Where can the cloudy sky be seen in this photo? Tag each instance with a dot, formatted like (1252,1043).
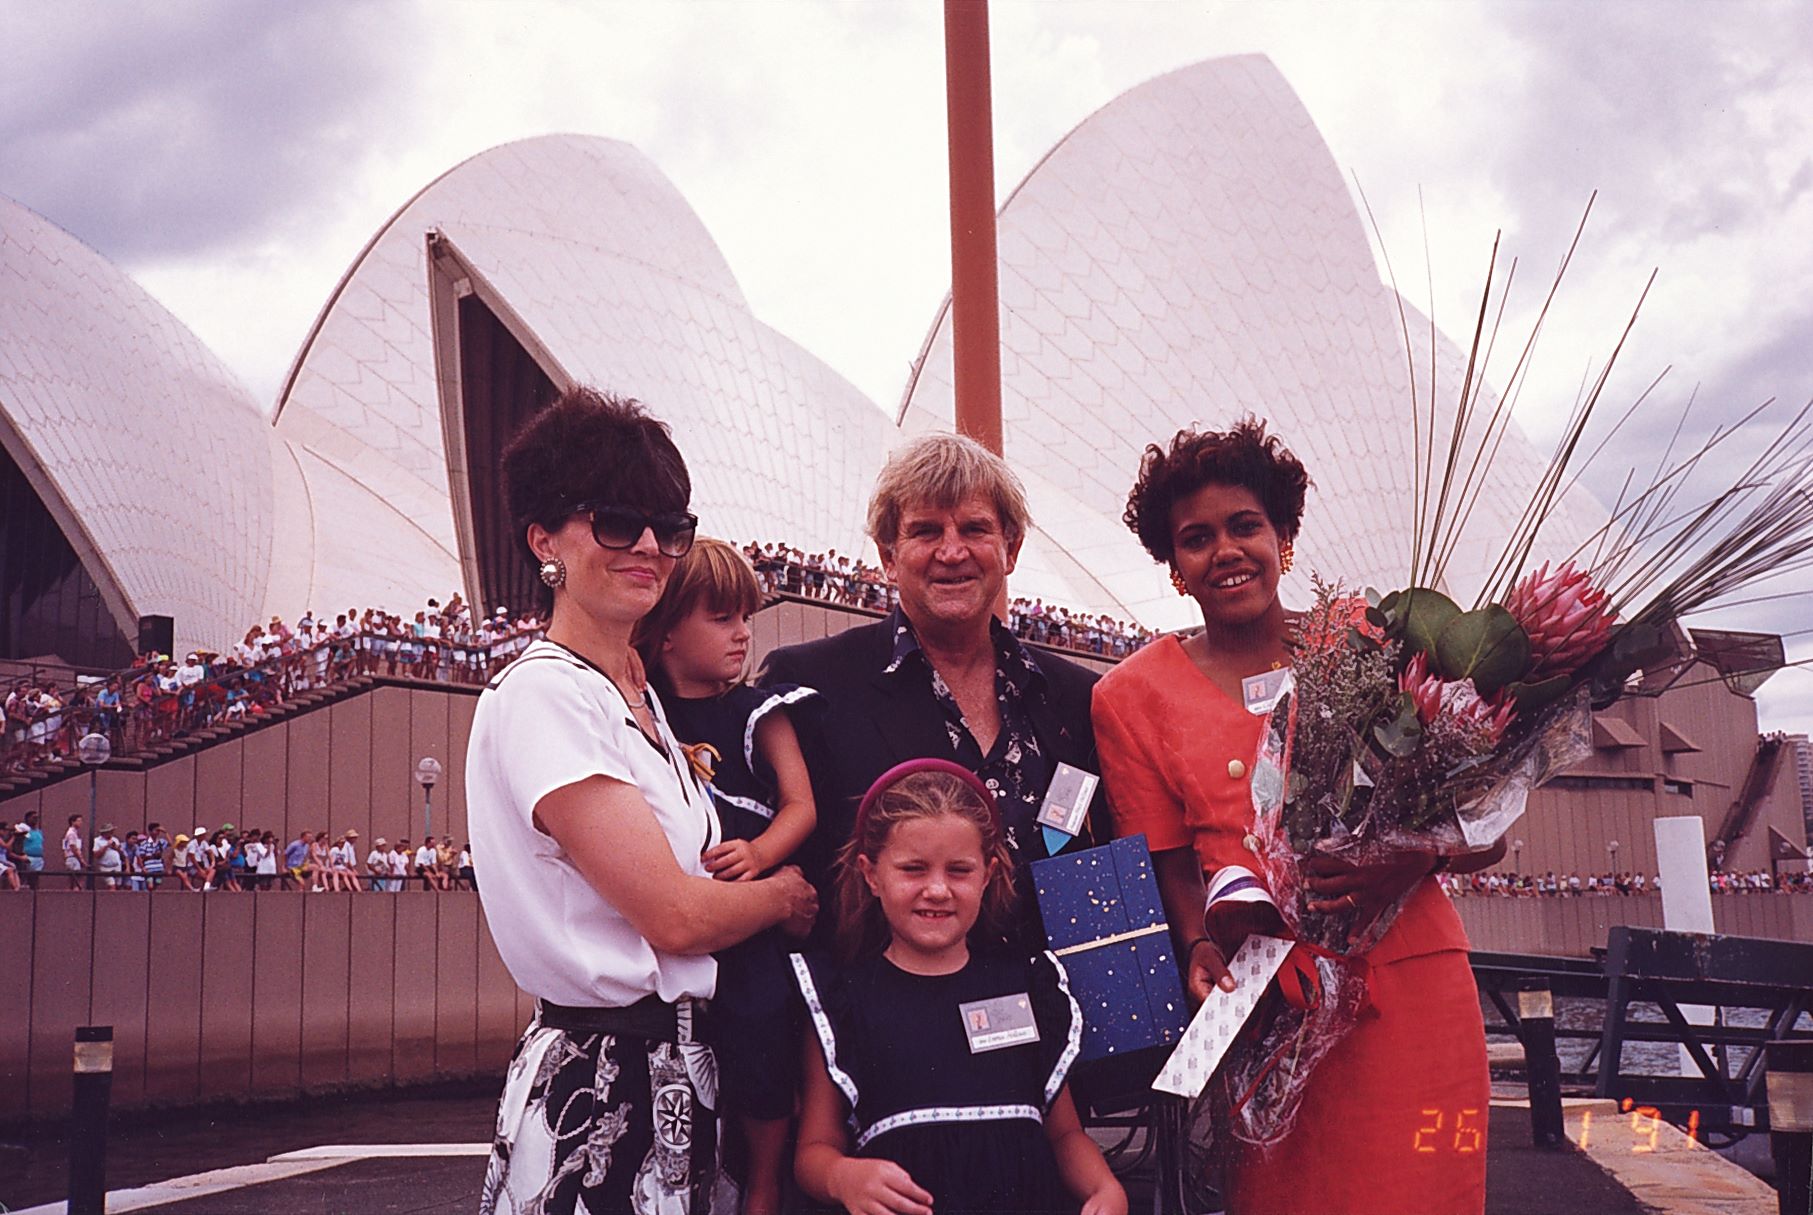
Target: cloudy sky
(234,157)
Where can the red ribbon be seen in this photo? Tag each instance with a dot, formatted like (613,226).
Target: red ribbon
(1305,994)
(1300,983)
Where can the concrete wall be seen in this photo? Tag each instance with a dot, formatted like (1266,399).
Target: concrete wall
(241,997)
(1576,926)
(348,764)
(1570,830)
(226,997)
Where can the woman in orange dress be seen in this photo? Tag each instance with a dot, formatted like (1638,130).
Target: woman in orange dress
(1394,1119)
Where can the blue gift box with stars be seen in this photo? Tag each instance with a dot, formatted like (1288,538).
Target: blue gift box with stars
(1105,922)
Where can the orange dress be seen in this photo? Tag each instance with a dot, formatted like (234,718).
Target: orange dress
(1394,1120)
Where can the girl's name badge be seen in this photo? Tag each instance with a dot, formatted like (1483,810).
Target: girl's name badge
(1002,1021)
(1261,692)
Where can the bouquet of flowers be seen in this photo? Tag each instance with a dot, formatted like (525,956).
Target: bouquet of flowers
(1410,722)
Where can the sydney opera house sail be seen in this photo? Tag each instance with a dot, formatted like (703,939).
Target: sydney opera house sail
(1188,253)
(527,268)
(134,479)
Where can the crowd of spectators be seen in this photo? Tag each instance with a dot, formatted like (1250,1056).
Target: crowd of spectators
(158,698)
(227,858)
(1604,885)
(852,582)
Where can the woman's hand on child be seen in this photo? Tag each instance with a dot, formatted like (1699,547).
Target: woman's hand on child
(735,861)
(1109,1200)
(879,1187)
(802,901)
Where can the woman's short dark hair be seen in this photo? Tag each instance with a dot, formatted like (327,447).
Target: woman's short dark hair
(589,447)
(1242,455)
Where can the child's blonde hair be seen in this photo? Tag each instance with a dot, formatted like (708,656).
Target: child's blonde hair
(922,788)
(715,574)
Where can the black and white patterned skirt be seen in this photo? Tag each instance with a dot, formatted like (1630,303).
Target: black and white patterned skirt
(594,1122)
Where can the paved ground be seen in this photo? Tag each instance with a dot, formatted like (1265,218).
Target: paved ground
(1521,1180)
(145,1150)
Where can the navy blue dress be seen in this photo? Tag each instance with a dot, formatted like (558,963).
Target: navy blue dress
(969,1128)
(753,1026)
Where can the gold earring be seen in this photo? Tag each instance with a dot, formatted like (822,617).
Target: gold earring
(1177,581)
(1287,555)
(553,572)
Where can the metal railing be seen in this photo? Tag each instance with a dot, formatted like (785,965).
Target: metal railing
(144,707)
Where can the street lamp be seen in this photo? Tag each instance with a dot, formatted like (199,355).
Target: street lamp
(93,750)
(1517,855)
(427,772)
(1611,847)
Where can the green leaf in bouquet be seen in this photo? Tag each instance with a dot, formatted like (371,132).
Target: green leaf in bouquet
(1425,614)
(1539,693)
(1373,598)
(1399,734)
(1388,609)
(1361,642)
(1638,644)
(1486,645)
(1633,647)
(1343,789)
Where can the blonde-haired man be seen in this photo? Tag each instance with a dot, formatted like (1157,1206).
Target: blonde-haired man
(940,675)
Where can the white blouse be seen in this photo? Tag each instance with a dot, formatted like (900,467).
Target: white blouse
(550,720)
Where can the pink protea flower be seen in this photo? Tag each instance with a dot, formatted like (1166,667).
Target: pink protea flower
(1458,700)
(1424,688)
(1567,618)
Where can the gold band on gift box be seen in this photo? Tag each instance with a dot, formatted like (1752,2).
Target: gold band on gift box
(1116,939)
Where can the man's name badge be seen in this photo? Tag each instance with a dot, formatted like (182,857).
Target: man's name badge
(1261,692)
(1066,805)
(1002,1021)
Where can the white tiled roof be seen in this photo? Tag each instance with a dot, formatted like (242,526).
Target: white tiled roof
(602,259)
(148,452)
(1190,254)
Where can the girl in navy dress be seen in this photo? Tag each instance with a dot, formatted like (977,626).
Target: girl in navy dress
(936,1060)
(695,645)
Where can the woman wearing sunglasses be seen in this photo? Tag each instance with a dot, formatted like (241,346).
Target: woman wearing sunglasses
(587,827)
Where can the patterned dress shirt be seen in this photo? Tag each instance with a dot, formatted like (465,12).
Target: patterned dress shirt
(1016,769)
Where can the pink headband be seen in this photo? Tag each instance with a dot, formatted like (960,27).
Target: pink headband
(912,767)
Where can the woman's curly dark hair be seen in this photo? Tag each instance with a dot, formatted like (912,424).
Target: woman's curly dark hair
(1242,455)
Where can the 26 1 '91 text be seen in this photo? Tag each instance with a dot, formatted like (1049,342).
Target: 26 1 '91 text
(1465,1134)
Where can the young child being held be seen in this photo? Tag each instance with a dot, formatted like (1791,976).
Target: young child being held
(936,1063)
(695,645)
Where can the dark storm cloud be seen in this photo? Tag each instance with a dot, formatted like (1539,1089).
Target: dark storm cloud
(171,129)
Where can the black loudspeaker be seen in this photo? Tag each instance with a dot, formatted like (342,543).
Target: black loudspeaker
(156,633)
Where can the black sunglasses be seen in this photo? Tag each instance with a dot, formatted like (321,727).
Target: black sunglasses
(620,527)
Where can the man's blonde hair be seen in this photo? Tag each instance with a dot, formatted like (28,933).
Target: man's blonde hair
(943,470)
